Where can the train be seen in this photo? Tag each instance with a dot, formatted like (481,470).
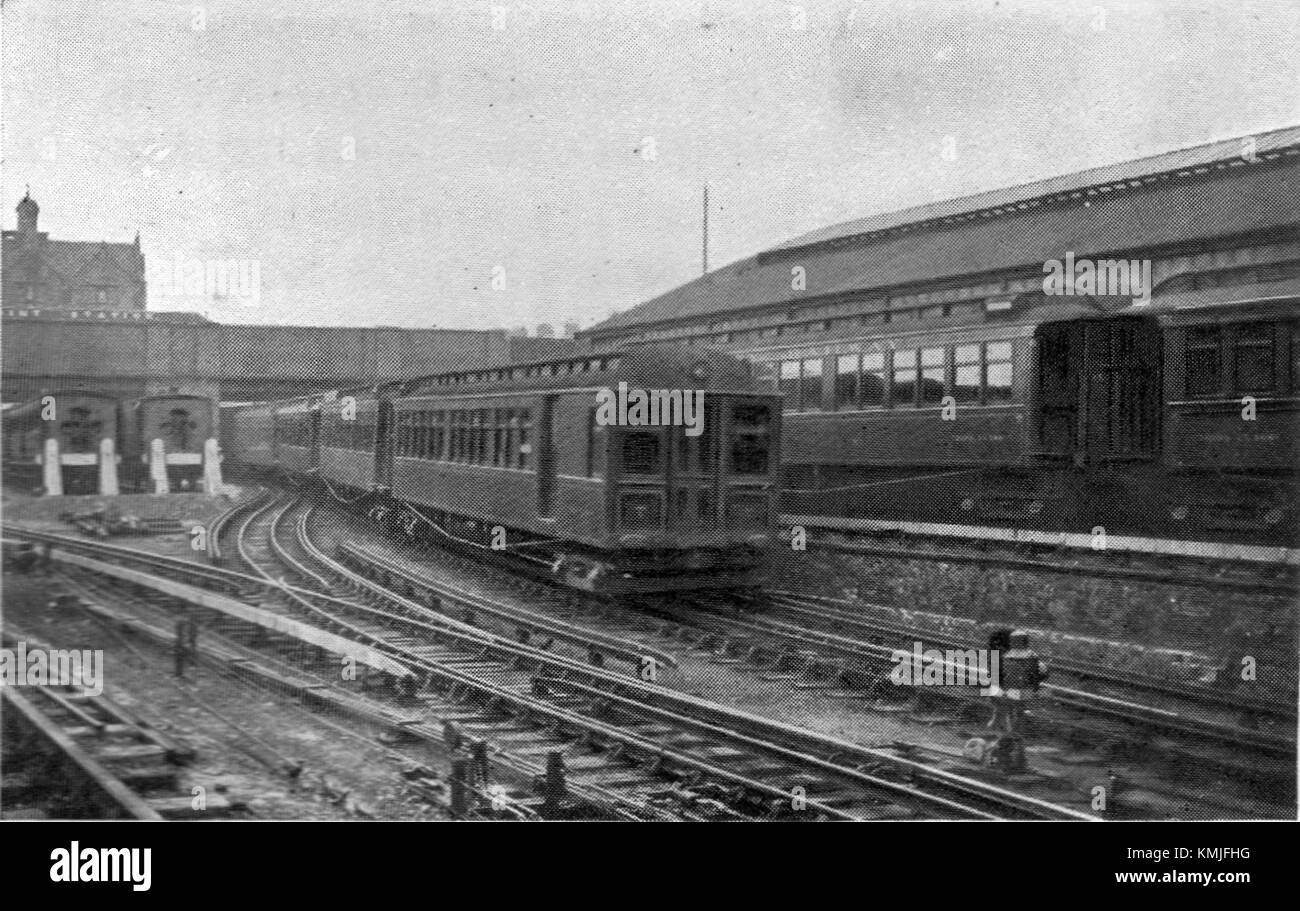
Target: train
(1177,418)
(104,445)
(520,459)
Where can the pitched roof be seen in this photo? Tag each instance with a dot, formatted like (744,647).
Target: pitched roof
(73,260)
(76,257)
(1199,193)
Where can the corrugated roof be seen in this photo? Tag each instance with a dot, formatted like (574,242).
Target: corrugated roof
(1231,197)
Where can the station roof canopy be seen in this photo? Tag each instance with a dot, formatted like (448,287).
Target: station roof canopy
(1237,186)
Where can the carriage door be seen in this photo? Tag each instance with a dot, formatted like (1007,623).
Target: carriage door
(1058,390)
(546,458)
(1118,402)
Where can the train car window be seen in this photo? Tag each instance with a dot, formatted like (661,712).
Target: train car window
(934,311)
(765,373)
(481,437)
(873,379)
(706,507)
(932,379)
(683,443)
(455,436)
(997,371)
(904,378)
(1204,361)
(966,373)
(642,453)
(846,382)
(788,384)
(436,436)
(439,435)
(751,442)
(707,443)
(421,435)
(500,434)
(1253,357)
(512,439)
(872,319)
(812,386)
(525,448)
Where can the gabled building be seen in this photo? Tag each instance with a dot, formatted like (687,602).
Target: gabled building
(41,273)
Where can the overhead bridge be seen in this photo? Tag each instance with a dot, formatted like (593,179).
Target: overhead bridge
(134,354)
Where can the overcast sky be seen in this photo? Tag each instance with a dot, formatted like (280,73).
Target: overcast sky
(567,142)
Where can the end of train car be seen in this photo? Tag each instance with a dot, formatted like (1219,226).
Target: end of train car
(565,464)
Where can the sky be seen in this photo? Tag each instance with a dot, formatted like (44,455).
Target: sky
(499,163)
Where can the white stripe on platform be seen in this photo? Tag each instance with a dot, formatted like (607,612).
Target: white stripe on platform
(1246,553)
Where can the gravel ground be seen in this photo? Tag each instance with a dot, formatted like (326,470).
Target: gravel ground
(341,778)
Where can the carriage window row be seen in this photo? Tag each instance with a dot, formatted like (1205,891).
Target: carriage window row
(357,434)
(1242,358)
(501,437)
(909,377)
(296,430)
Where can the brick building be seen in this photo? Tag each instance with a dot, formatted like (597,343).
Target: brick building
(40,272)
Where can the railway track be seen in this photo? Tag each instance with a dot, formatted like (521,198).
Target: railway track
(1110,725)
(69,754)
(1126,713)
(757,747)
(804,639)
(818,646)
(833,612)
(647,751)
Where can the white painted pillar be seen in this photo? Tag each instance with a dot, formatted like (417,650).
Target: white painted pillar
(212,468)
(158,467)
(107,468)
(53,469)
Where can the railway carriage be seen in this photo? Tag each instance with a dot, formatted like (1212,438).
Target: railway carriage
(1176,418)
(79,428)
(519,459)
(175,427)
(248,437)
(521,450)
(297,436)
(354,431)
